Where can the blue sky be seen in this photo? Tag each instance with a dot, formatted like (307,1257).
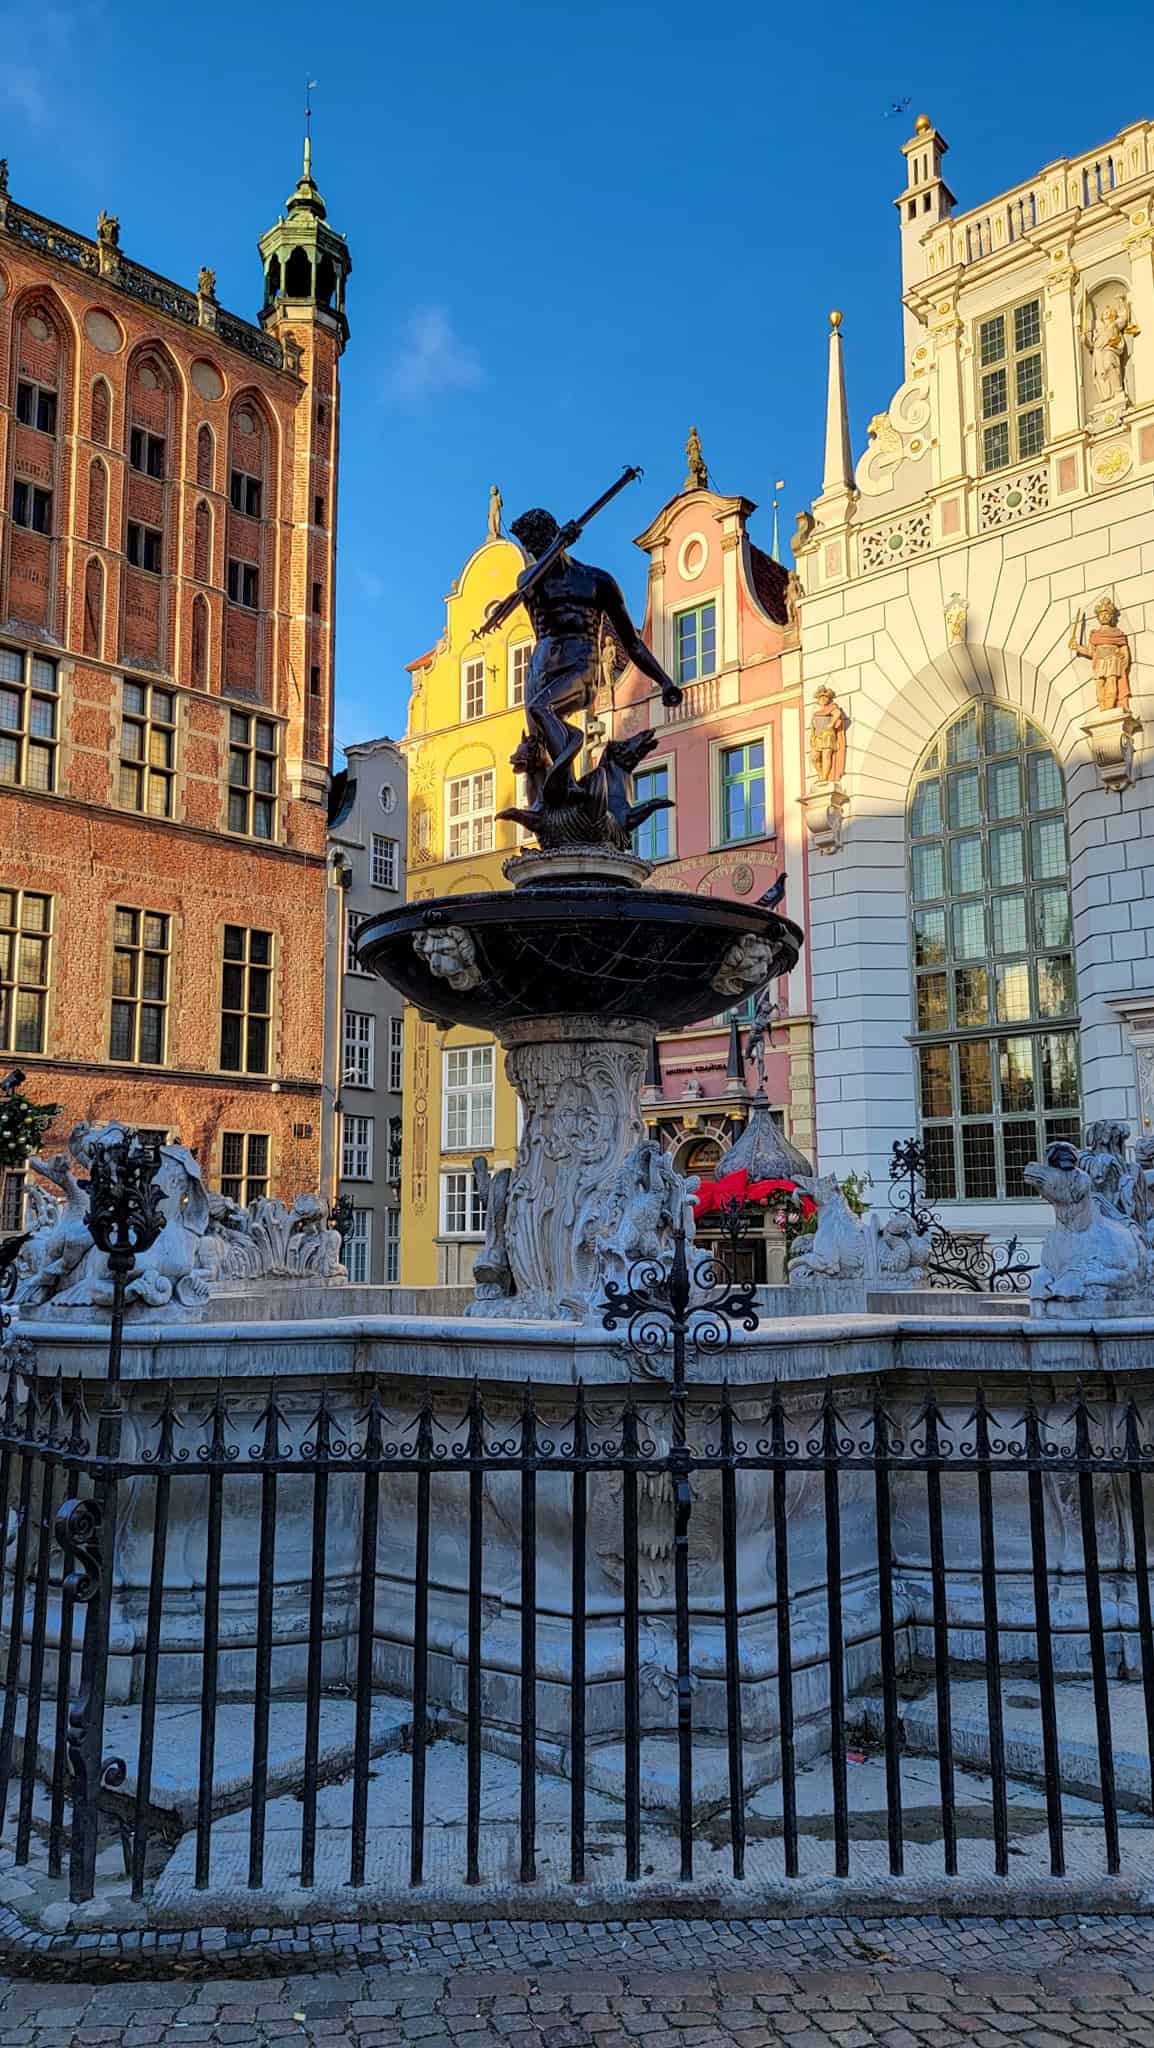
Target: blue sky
(574,230)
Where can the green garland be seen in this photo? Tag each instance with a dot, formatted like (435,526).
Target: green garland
(22,1126)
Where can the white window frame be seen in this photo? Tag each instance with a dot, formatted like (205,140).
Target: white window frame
(359,1248)
(392,1247)
(358,1049)
(356,1147)
(721,746)
(472,687)
(396,1055)
(669,763)
(474,821)
(354,919)
(682,611)
(453,1199)
(1015,409)
(384,861)
(518,648)
(467,1103)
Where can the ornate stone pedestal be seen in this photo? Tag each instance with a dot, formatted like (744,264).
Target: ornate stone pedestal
(1111,735)
(579,1082)
(824,811)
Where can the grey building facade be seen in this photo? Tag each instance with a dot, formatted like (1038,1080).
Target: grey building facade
(367,842)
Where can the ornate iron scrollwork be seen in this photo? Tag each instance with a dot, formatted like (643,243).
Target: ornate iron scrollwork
(955,1261)
(124,1208)
(665,1304)
(79,1526)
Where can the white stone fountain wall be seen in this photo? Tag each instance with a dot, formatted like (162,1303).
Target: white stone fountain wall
(898,1352)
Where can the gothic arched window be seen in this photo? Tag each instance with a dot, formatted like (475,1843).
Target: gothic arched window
(994,1002)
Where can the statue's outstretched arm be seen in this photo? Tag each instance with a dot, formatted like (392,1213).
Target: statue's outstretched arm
(617,612)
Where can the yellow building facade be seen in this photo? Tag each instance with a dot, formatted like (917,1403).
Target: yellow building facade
(465,720)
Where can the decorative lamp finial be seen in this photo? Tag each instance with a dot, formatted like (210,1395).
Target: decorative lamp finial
(835,320)
(923,125)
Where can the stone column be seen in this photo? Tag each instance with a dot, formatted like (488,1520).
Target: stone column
(579,1082)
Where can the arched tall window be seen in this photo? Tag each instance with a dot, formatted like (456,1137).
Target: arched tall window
(994,1001)
(101,411)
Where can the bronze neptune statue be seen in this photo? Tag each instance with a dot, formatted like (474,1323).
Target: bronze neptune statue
(569,605)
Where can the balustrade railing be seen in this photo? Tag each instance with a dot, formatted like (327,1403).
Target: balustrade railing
(138,282)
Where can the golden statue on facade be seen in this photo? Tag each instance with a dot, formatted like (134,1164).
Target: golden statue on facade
(827,737)
(1108,652)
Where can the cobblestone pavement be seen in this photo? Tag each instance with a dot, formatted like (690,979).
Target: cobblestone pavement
(924,1983)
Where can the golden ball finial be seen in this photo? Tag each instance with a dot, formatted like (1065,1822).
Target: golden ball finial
(835,320)
(923,125)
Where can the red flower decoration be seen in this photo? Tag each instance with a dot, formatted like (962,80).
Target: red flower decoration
(737,1187)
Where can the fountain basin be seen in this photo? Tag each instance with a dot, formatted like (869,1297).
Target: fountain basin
(654,954)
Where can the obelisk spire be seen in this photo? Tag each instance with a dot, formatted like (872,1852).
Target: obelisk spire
(838,459)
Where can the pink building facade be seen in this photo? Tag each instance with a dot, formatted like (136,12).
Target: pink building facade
(720,618)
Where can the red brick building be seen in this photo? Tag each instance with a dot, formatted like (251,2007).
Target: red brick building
(167,539)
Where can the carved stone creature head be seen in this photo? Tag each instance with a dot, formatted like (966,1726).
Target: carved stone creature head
(747,965)
(449,953)
(1061,1181)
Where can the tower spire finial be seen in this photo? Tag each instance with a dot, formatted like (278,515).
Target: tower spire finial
(838,474)
(310,87)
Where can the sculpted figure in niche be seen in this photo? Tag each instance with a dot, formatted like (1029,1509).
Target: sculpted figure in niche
(956,609)
(1108,652)
(1106,328)
(827,737)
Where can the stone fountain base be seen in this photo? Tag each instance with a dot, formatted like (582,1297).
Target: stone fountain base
(579,1082)
(410,1357)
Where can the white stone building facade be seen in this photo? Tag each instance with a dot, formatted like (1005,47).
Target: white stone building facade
(1007,489)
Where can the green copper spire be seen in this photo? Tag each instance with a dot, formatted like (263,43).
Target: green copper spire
(306,198)
(306,262)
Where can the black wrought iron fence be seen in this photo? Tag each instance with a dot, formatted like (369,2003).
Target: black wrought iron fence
(953,1259)
(832,1555)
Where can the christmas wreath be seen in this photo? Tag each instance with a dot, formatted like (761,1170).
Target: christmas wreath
(22,1126)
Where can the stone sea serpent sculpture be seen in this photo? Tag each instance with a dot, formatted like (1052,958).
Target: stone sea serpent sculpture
(207,1244)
